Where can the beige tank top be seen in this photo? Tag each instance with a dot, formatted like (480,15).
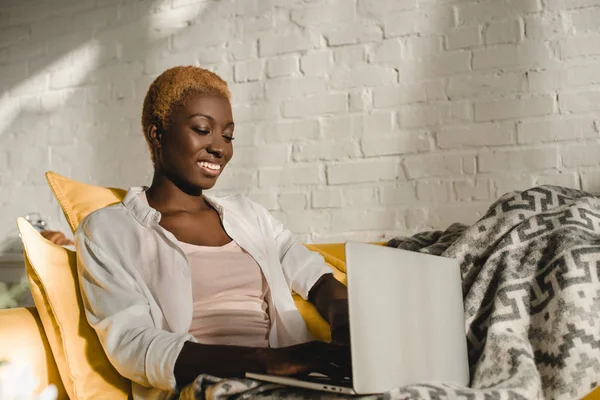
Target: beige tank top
(228,291)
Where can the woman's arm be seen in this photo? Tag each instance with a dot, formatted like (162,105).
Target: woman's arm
(120,313)
(309,276)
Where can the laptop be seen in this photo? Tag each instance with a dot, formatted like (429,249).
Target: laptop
(406,323)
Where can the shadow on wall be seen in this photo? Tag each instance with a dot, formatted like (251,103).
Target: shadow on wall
(72,93)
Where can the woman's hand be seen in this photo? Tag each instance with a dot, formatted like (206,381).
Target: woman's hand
(339,321)
(331,299)
(316,356)
(58,238)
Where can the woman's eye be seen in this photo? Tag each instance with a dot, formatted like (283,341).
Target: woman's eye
(201,131)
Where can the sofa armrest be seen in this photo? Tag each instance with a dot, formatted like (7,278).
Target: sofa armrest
(22,341)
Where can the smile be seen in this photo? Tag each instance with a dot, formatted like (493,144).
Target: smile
(209,168)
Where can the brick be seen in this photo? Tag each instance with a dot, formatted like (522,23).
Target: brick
(416,220)
(255,112)
(285,88)
(502,32)
(545,27)
(246,92)
(361,100)
(291,175)
(401,193)
(477,135)
(586,20)
(374,8)
(555,130)
(366,76)
(389,51)
(377,123)
(274,155)
(327,198)
(438,19)
(580,154)
(514,108)
(433,191)
(564,179)
(579,102)
(590,181)
(234,178)
(526,54)
(394,144)
(342,127)
(283,66)
(579,46)
(519,160)
(242,50)
(415,116)
(293,202)
(308,221)
(35,84)
(434,165)
(13,35)
(287,132)
(359,196)
(485,84)
(420,46)
(361,171)
(441,217)
(559,5)
(472,189)
(362,32)
(325,150)
(316,63)
(208,32)
(462,38)
(252,70)
(445,64)
(245,135)
(505,183)
(285,43)
(349,56)
(348,219)
(324,14)
(314,105)
(476,13)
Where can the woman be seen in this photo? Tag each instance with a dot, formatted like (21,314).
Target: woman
(177,283)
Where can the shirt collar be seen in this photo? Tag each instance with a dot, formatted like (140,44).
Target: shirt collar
(147,215)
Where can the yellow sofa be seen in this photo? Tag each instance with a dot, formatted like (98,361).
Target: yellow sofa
(29,335)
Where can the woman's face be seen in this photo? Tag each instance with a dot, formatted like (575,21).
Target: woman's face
(198,143)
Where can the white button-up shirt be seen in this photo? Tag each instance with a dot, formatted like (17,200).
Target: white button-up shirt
(136,286)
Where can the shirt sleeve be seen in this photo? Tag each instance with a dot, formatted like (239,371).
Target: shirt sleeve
(120,314)
(302,268)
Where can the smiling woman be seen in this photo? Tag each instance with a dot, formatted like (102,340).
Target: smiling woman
(177,283)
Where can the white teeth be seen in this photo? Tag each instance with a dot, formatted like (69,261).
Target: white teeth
(209,165)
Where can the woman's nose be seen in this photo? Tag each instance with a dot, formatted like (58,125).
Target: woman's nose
(217,146)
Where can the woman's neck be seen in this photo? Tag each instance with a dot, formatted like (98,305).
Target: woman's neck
(166,196)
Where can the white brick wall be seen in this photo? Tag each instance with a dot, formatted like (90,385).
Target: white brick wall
(356,119)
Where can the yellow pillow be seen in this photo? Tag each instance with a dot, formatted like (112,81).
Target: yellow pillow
(84,369)
(77,200)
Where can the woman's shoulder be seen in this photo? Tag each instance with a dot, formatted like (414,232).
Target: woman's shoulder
(106,219)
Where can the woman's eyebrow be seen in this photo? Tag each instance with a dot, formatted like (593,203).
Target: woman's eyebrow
(201,115)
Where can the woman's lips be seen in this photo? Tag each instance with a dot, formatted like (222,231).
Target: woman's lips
(209,168)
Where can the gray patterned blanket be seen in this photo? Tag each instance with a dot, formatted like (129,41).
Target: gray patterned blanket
(530,270)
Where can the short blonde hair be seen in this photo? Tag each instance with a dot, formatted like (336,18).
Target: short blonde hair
(171,88)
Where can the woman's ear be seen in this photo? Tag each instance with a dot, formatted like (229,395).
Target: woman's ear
(154,136)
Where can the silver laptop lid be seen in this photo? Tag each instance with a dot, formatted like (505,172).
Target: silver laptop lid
(406,318)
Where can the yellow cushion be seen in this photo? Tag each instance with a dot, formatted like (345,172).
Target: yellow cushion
(23,342)
(78,199)
(84,369)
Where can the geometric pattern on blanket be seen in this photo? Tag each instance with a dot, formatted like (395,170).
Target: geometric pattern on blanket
(530,269)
